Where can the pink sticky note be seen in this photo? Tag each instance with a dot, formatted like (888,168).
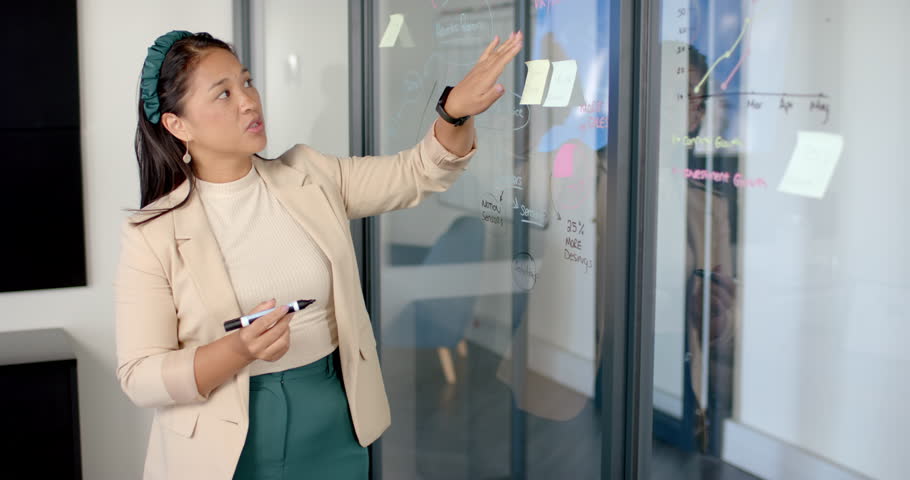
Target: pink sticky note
(562,165)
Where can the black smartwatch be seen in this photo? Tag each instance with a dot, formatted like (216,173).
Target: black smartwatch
(440,109)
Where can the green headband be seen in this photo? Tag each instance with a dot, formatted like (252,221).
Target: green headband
(148,87)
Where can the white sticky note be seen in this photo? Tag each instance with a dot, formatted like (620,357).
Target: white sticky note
(561,83)
(812,164)
(535,82)
(396,20)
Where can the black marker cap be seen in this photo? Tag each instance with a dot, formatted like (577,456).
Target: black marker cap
(233,324)
(301,304)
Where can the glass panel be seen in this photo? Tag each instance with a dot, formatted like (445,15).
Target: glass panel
(304,90)
(791,364)
(487,324)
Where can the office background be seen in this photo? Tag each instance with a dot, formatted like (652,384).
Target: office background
(814,384)
(113,37)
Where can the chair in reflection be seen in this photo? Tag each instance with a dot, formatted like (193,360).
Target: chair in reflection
(440,322)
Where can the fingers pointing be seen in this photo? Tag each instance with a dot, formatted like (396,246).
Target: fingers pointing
(490,47)
(513,41)
(494,48)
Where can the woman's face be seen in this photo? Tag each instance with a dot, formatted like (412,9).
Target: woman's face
(219,105)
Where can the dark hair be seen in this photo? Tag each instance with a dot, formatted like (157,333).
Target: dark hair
(159,153)
(697,60)
(699,63)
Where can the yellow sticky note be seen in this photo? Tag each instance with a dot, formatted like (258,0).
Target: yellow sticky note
(394,31)
(561,83)
(812,164)
(404,37)
(536,82)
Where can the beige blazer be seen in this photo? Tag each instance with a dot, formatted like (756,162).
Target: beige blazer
(721,248)
(173,294)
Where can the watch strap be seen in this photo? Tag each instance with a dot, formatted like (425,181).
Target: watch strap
(440,109)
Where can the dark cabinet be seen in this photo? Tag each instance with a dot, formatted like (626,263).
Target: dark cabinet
(39,407)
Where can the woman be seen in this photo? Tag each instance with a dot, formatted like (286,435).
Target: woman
(222,231)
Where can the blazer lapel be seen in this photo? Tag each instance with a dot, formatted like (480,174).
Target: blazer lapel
(201,254)
(305,202)
(199,249)
(196,243)
(314,211)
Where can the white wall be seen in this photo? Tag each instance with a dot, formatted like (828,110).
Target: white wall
(113,40)
(114,36)
(302,70)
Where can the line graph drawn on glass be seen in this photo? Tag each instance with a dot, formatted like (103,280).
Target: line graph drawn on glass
(724,56)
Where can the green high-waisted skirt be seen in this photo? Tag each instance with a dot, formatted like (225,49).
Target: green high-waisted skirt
(300,427)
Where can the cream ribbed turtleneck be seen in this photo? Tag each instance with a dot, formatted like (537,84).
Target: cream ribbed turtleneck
(268,254)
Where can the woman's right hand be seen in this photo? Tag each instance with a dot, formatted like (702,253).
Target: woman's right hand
(268,337)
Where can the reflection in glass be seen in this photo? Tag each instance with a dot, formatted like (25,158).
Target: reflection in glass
(487,322)
(781,272)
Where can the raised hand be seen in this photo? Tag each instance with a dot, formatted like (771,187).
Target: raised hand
(479,89)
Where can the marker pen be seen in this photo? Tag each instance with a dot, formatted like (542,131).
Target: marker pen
(246,320)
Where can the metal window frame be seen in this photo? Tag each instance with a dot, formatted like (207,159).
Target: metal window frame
(645,166)
(241,22)
(365,232)
(629,234)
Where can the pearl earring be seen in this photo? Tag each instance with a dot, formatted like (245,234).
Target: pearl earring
(186,156)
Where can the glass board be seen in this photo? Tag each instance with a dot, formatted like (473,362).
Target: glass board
(488,332)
